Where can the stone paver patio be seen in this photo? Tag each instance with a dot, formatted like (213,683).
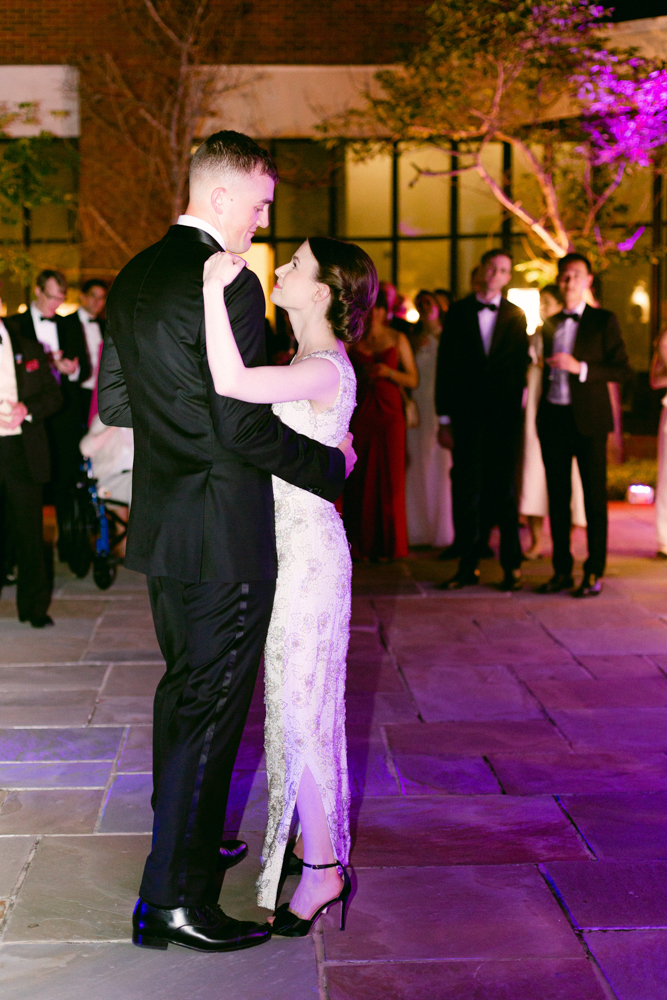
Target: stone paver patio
(509,768)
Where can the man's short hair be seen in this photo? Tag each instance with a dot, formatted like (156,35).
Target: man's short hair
(498,252)
(93,283)
(231,152)
(44,276)
(572,258)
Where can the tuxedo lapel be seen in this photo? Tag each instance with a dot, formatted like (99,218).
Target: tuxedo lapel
(193,236)
(585,327)
(473,326)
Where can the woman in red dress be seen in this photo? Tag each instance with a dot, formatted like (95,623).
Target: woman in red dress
(374,501)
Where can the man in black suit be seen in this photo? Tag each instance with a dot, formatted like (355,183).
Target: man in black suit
(86,326)
(65,348)
(583,350)
(481,373)
(28,394)
(201,524)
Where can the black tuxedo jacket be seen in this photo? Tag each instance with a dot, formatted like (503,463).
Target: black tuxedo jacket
(202,501)
(600,344)
(38,389)
(70,337)
(478,391)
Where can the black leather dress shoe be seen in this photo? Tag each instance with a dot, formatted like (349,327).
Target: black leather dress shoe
(511,582)
(557,583)
(460,581)
(39,621)
(203,928)
(590,586)
(231,852)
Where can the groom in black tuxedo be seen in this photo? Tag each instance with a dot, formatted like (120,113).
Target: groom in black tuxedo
(481,373)
(201,525)
(583,351)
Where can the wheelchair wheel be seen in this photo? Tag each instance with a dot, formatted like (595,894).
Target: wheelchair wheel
(75,528)
(104,572)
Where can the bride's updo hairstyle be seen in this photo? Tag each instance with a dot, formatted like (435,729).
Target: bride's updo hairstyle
(350,274)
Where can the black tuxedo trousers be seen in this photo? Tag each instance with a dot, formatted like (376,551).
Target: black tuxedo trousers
(211,636)
(561,440)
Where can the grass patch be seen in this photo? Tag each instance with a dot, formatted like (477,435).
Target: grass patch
(637,470)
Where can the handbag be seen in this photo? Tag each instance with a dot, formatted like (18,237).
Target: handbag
(410,409)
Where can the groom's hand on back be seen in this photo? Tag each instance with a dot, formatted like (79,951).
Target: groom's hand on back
(223,267)
(349,452)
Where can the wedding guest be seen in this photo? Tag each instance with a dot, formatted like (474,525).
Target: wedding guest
(66,350)
(396,322)
(481,374)
(659,381)
(28,394)
(87,325)
(583,350)
(428,496)
(534,502)
(374,498)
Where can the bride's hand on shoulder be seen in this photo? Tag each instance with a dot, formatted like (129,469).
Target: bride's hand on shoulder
(223,267)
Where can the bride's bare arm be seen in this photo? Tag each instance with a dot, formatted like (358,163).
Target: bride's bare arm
(315,379)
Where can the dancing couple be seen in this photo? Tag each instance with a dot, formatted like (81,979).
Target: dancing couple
(234,525)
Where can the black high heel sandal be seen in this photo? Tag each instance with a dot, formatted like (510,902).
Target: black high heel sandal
(289,924)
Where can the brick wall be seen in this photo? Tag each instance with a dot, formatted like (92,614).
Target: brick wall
(266,31)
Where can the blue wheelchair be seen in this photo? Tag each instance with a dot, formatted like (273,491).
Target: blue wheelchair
(90,530)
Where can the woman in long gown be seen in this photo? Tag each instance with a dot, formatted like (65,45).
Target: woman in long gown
(374,498)
(327,288)
(428,490)
(534,501)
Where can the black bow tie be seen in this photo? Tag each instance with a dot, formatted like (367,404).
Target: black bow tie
(486,305)
(566,315)
(47,319)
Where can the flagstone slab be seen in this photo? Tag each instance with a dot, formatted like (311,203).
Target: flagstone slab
(612,895)
(125,680)
(52,708)
(479,912)
(137,752)
(380,709)
(633,962)
(368,676)
(138,655)
(80,888)
(25,774)
(604,667)
(370,769)
(429,774)
(613,728)
(580,773)
(462,830)
(83,676)
(247,803)
(617,692)
(647,639)
(14,852)
(50,811)
(571,671)
(127,808)
(484,693)
(280,970)
(59,744)
(622,826)
(475,738)
(527,979)
(123,710)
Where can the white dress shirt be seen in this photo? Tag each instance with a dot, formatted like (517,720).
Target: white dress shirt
(565,336)
(487,321)
(8,388)
(192,220)
(93,335)
(46,332)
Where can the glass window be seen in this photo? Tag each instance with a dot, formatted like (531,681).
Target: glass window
(627,292)
(423,264)
(524,185)
(479,212)
(380,253)
(302,202)
(424,207)
(50,222)
(367,202)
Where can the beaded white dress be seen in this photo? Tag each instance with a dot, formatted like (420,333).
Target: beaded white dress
(306,646)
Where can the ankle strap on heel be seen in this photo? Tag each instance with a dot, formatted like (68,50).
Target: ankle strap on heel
(334,864)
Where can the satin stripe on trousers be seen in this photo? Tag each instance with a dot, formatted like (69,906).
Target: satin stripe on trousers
(211,636)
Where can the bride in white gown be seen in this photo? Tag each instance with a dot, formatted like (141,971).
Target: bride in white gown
(327,289)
